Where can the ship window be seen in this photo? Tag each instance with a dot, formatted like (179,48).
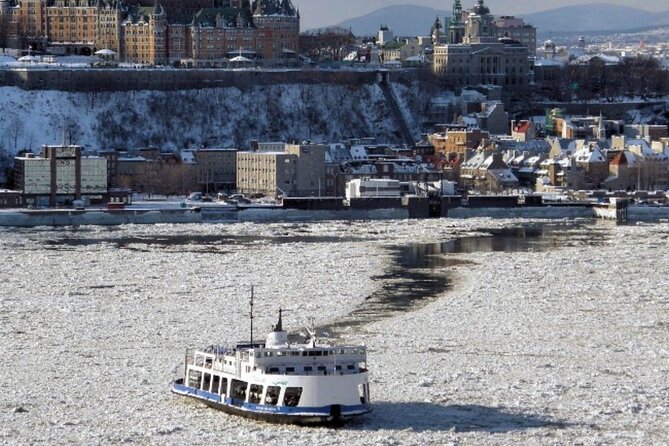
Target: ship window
(294,353)
(206,382)
(362,392)
(292,396)
(308,368)
(215,383)
(272,397)
(321,368)
(350,367)
(255,393)
(238,389)
(316,353)
(337,367)
(273,370)
(194,379)
(280,353)
(224,386)
(290,369)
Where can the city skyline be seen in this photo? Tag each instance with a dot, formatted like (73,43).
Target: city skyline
(321,13)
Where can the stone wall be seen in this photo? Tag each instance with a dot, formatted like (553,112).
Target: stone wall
(85,80)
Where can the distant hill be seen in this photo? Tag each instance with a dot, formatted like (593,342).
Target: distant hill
(595,17)
(412,20)
(403,20)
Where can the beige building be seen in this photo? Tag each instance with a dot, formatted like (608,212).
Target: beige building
(457,139)
(60,175)
(481,57)
(516,28)
(299,170)
(215,169)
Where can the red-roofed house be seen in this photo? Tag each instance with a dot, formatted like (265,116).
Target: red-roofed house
(623,171)
(523,130)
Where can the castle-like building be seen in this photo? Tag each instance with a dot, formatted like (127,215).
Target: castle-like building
(476,48)
(156,32)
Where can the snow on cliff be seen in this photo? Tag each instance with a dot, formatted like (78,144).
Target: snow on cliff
(194,118)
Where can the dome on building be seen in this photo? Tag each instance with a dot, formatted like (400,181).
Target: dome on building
(480,8)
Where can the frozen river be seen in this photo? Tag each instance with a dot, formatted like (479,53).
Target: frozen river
(478,331)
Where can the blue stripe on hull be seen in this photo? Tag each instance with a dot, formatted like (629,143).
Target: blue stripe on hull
(272,413)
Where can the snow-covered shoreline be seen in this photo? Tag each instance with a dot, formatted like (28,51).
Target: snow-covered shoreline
(562,346)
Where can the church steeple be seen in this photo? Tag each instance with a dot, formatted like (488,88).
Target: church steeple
(436,31)
(601,129)
(456,27)
(456,15)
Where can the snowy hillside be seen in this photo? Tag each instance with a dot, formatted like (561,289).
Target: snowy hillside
(213,117)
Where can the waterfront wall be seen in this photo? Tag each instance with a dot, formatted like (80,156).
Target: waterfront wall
(87,80)
(612,110)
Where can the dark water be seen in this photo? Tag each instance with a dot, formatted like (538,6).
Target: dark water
(420,273)
(200,243)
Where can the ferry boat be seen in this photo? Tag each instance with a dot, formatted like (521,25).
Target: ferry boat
(278,381)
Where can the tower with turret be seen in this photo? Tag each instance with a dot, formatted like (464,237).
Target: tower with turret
(456,27)
(436,32)
(278,24)
(480,26)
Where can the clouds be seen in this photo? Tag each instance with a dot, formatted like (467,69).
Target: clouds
(318,13)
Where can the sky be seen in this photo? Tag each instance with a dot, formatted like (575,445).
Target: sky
(319,13)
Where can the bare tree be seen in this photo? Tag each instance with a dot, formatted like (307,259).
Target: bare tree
(22,34)
(15,130)
(71,130)
(4,31)
(329,43)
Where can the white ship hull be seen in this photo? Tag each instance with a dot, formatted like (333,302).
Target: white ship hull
(330,414)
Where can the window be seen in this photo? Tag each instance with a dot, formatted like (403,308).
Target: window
(272,397)
(206,382)
(194,379)
(224,386)
(238,390)
(255,393)
(291,397)
(215,384)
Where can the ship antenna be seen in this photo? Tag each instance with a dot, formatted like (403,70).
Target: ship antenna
(279,325)
(251,315)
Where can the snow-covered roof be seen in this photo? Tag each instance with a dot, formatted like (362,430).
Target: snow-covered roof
(187,157)
(503,175)
(554,62)
(589,155)
(475,161)
(358,152)
(337,154)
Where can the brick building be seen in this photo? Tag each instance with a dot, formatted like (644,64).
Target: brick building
(149,32)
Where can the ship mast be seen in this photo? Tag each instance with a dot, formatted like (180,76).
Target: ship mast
(251,315)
